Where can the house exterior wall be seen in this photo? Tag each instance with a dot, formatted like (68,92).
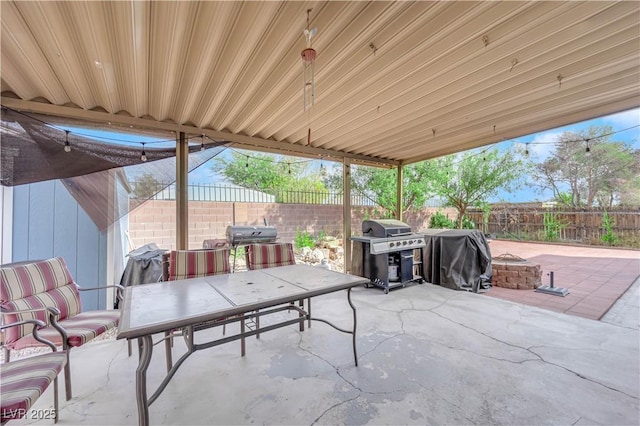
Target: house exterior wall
(48,222)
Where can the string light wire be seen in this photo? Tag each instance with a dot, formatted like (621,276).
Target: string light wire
(67,147)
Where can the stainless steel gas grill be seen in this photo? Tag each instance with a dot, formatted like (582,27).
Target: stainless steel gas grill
(387,255)
(243,235)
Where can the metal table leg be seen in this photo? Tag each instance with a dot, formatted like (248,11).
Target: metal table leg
(146,351)
(355,323)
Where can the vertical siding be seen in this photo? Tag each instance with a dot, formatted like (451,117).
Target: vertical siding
(20,237)
(65,231)
(88,262)
(41,223)
(48,222)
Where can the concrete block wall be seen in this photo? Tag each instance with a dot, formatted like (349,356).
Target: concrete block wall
(155,221)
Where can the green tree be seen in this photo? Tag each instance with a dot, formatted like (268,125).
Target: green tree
(462,182)
(379,185)
(596,176)
(272,174)
(471,179)
(146,186)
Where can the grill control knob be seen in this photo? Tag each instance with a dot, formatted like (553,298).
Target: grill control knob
(419,241)
(391,244)
(404,243)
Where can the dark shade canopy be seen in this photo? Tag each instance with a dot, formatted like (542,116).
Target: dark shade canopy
(96,174)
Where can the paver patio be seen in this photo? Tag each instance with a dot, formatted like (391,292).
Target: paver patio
(596,277)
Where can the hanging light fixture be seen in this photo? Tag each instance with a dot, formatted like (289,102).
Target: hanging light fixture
(143,155)
(67,146)
(202,142)
(308,61)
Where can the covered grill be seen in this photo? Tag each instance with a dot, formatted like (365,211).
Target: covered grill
(388,253)
(242,235)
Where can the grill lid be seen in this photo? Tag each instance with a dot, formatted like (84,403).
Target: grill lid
(251,234)
(385,228)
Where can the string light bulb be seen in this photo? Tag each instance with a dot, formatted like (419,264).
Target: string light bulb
(246,164)
(143,155)
(289,164)
(67,146)
(587,149)
(526,149)
(202,142)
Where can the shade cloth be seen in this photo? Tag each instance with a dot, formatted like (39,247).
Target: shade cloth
(96,173)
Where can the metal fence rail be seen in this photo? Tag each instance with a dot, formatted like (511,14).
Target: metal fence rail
(229,193)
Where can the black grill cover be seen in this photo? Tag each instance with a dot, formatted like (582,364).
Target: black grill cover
(457,259)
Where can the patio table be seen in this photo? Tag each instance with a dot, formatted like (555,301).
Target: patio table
(200,303)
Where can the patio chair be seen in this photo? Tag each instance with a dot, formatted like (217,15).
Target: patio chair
(270,255)
(44,290)
(24,380)
(184,264)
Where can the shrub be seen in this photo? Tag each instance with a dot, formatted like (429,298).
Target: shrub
(608,223)
(304,239)
(552,226)
(468,223)
(440,221)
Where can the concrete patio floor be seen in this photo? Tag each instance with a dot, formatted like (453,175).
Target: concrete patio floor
(428,355)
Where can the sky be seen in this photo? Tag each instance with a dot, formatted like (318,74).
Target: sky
(540,146)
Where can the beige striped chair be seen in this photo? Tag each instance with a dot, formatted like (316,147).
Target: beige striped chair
(185,264)
(271,255)
(261,256)
(44,290)
(24,380)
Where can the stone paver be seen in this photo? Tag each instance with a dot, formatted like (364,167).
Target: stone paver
(595,277)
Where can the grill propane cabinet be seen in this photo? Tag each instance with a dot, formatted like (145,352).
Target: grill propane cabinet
(386,254)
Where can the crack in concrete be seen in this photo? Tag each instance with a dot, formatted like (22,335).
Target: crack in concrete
(576,422)
(113,359)
(540,357)
(332,407)
(344,379)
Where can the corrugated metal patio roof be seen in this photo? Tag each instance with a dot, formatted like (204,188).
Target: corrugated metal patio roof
(396,82)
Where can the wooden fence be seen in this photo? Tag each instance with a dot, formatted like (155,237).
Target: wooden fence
(571,224)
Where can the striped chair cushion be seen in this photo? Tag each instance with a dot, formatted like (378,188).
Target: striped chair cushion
(24,380)
(80,329)
(40,284)
(20,281)
(197,263)
(260,256)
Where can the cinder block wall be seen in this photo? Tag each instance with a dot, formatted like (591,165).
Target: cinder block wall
(155,221)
